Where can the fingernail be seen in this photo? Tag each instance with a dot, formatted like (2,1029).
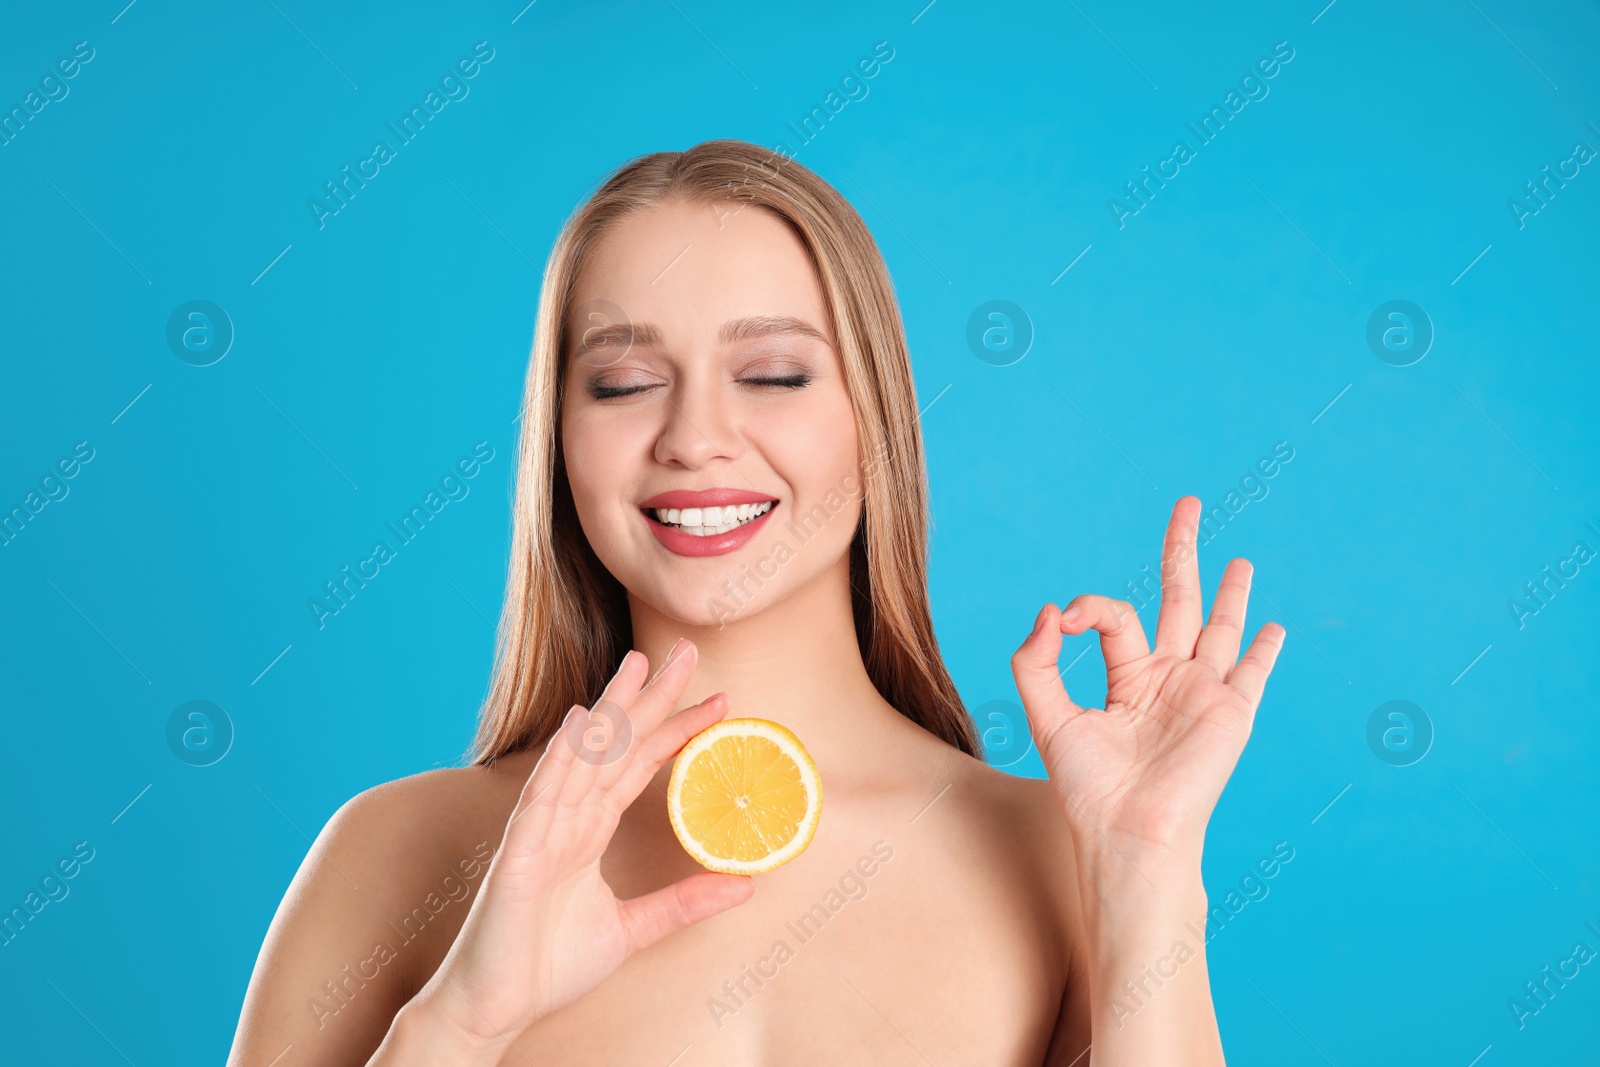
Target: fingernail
(1070,615)
(671,652)
(1038,622)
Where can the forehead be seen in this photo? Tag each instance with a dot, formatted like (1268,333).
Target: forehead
(687,269)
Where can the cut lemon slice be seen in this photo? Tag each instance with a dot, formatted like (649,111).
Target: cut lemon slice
(745,796)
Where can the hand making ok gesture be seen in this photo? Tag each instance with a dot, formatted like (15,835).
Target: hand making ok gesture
(1148,769)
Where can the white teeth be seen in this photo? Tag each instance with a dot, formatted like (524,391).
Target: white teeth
(708,522)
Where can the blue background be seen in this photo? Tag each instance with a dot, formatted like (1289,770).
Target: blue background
(1227,315)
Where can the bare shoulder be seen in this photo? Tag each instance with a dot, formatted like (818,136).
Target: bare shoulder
(372,910)
(1047,834)
(1029,812)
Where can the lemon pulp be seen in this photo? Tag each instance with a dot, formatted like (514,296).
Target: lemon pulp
(745,796)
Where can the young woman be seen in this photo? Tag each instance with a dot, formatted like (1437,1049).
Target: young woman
(717,329)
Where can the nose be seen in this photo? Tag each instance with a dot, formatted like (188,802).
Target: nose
(701,425)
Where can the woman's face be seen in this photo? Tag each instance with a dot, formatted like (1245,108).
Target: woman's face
(708,434)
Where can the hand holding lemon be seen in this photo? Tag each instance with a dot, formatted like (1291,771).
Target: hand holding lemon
(545,928)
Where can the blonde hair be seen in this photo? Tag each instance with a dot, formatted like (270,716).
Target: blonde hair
(565,624)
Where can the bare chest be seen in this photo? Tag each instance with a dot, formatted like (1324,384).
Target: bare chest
(866,950)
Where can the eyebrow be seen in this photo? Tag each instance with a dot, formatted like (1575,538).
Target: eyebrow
(646,335)
(767,326)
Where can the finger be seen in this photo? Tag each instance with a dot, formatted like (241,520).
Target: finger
(659,697)
(628,679)
(581,735)
(1219,641)
(1034,665)
(1122,639)
(1249,677)
(540,794)
(1178,625)
(662,746)
(649,918)
(609,733)
(631,723)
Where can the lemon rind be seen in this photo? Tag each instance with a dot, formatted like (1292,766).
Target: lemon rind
(790,744)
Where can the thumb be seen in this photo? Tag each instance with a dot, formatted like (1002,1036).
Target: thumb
(649,918)
(1034,666)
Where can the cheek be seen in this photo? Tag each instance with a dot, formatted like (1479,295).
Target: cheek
(595,456)
(831,447)
(815,450)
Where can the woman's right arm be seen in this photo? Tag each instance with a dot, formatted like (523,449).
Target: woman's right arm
(542,930)
(545,928)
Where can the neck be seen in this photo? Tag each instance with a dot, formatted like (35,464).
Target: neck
(795,662)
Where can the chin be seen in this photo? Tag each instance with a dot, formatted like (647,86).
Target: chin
(731,594)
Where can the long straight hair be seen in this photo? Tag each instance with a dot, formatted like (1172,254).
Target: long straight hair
(565,625)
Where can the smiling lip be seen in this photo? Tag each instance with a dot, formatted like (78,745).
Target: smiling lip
(686,544)
(704,498)
(680,543)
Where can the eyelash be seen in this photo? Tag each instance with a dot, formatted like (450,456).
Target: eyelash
(786,381)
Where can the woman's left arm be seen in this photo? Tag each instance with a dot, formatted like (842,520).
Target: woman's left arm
(1137,782)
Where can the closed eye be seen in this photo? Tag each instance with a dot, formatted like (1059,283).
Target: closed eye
(785,381)
(606,392)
